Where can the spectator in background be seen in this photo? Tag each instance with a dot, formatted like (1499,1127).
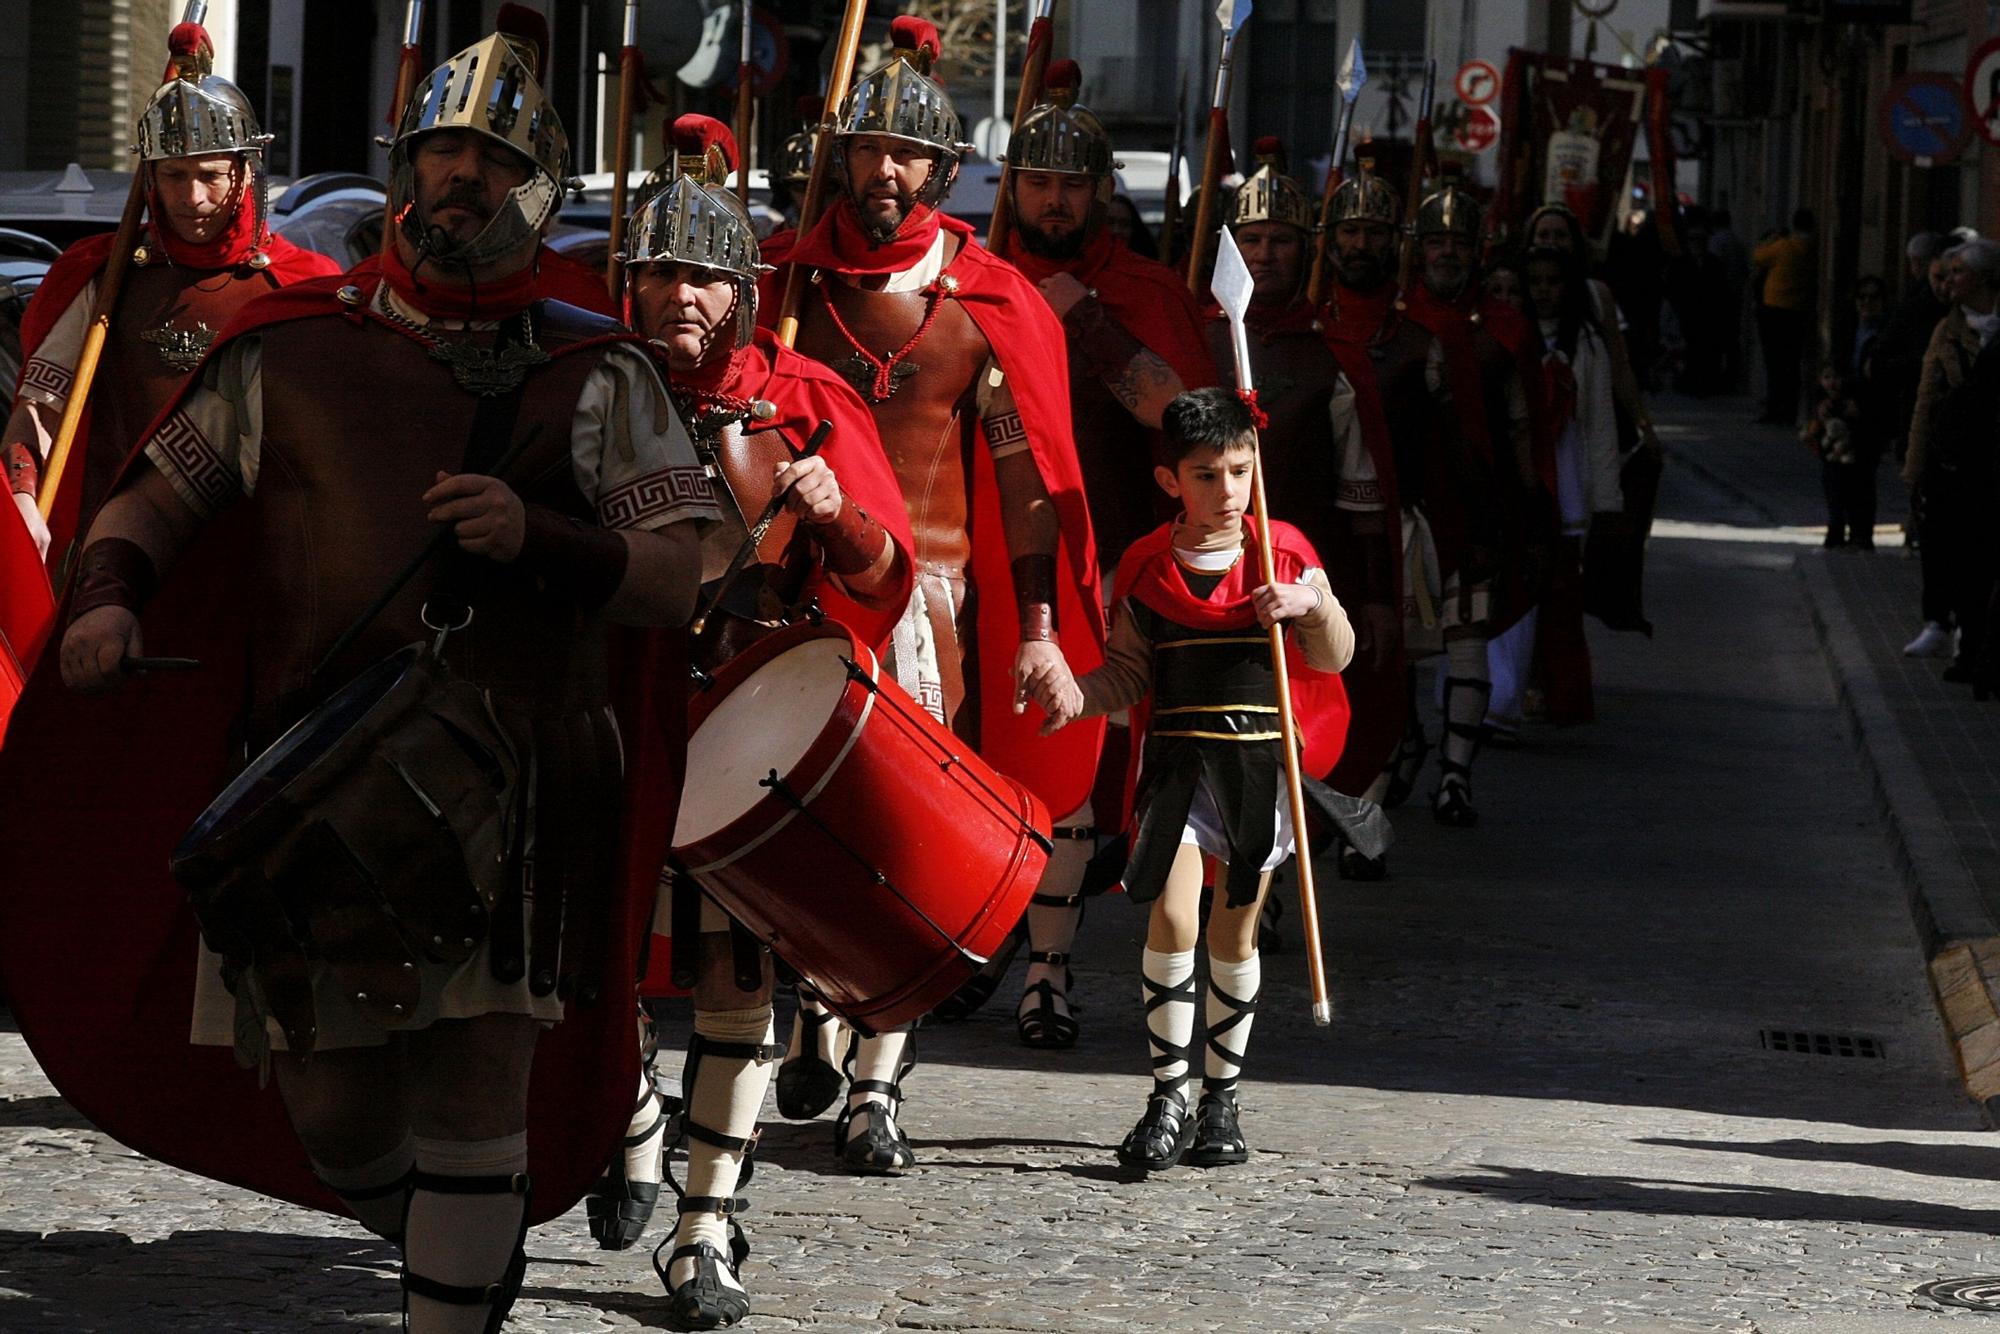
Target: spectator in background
(1895,360)
(1635,266)
(1784,314)
(1728,248)
(1122,220)
(1846,462)
(1698,290)
(1951,452)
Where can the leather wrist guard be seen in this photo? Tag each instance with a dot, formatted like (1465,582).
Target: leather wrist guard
(853,542)
(588,561)
(24,472)
(114,573)
(1099,344)
(1035,595)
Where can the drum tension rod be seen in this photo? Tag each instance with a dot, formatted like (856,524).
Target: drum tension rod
(855,673)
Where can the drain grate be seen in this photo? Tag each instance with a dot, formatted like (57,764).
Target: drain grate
(1821,1044)
(1972,1294)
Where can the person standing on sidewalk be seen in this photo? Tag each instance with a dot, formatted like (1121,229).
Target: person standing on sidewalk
(1952,447)
(1784,314)
(1895,363)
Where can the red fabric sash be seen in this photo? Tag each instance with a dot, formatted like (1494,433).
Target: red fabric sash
(1354,316)
(1146,297)
(442,300)
(838,241)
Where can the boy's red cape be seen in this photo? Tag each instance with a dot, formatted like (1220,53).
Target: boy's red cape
(1028,342)
(1150,574)
(97,942)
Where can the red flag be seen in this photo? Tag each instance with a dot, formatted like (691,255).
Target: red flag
(27,612)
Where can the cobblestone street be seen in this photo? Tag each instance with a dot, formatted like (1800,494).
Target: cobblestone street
(1544,1102)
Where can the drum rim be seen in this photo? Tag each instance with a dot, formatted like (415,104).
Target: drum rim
(740,847)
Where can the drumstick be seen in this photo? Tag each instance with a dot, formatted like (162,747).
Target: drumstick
(757,531)
(132,664)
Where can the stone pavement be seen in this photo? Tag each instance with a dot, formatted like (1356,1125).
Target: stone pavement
(1545,1103)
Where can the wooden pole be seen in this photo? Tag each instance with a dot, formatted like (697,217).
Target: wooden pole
(845,49)
(108,288)
(1211,163)
(409,68)
(1353,74)
(621,153)
(745,75)
(1414,196)
(1034,64)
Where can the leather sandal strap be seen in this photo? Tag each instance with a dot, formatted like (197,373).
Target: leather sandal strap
(1078,832)
(515,1184)
(742,1051)
(354,1194)
(1049,956)
(716,1139)
(726,1205)
(882,1086)
(453,1294)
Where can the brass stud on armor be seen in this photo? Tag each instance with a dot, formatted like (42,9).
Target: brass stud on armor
(142,256)
(763,409)
(948,285)
(470,942)
(360,998)
(259,260)
(349,295)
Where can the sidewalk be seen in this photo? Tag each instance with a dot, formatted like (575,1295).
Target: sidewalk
(1931,753)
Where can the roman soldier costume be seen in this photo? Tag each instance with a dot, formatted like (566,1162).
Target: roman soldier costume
(177,294)
(1135,324)
(751,406)
(449,823)
(955,354)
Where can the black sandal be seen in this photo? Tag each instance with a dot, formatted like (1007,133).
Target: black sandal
(1451,804)
(976,990)
(1354,865)
(1042,1025)
(499,1297)
(619,1208)
(1163,1135)
(1405,767)
(881,1148)
(704,1301)
(1218,1137)
(806,1085)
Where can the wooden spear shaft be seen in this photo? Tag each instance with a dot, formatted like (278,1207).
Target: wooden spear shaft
(1211,166)
(745,74)
(408,68)
(621,152)
(845,48)
(108,288)
(1034,65)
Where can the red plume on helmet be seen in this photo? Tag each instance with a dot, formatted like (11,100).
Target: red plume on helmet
(694,134)
(192,49)
(1063,76)
(1270,148)
(916,39)
(530,28)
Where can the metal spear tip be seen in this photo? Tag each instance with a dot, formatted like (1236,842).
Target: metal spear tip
(1232,15)
(1232,285)
(1353,72)
(1323,1013)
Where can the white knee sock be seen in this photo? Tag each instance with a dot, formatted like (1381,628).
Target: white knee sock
(1232,1005)
(1168,991)
(880,1058)
(727,1095)
(466,1239)
(375,1192)
(649,1127)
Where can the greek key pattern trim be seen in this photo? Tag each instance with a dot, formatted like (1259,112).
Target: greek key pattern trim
(47,378)
(180,443)
(1005,434)
(656,495)
(1359,495)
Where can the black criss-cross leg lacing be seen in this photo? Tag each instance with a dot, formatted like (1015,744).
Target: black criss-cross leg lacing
(1408,762)
(704,1301)
(1041,1024)
(880,1148)
(618,1207)
(1218,1138)
(497,1297)
(1166,1130)
(806,1084)
(1451,804)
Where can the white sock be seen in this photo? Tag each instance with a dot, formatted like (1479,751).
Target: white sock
(642,1160)
(1232,1000)
(1169,996)
(466,1240)
(879,1058)
(831,1043)
(727,1095)
(375,1192)
(1052,926)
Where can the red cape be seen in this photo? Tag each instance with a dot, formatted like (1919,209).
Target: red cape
(1150,574)
(1149,299)
(805,394)
(1027,341)
(557,278)
(99,790)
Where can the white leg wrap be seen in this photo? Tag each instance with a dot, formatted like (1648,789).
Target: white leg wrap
(375,1192)
(727,1095)
(1232,1005)
(464,1239)
(1168,990)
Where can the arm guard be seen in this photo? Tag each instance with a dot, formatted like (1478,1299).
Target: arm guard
(1035,595)
(115,572)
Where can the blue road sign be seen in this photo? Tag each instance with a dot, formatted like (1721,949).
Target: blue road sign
(1924,117)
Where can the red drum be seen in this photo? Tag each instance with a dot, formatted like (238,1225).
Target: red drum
(849,830)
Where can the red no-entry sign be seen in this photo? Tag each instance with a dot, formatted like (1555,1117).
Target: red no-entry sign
(1480,131)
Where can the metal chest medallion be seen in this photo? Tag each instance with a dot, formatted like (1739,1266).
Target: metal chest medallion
(180,349)
(488,372)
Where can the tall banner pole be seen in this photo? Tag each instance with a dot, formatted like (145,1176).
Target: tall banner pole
(409,68)
(1041,35)
(1414,196)
(846,48)
(746,74)
(1353,76)
(629,79)
(1232,288)
(108,287)
(1231,15)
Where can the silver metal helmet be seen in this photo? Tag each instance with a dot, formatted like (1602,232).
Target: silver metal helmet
(1450,212)
(1058,135)
(696,219)
(197,113)
(1366,197)
(900,101)
(794,167)
(1270,195)
(489,88)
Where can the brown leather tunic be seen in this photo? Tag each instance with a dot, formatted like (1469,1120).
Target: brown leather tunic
(167,317)
(929,428)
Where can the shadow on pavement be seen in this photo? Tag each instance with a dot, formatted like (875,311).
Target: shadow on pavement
(1970,1162)
(45,1113)
(1655,1197)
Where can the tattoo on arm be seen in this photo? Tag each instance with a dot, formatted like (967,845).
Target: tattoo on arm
(1145,386)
